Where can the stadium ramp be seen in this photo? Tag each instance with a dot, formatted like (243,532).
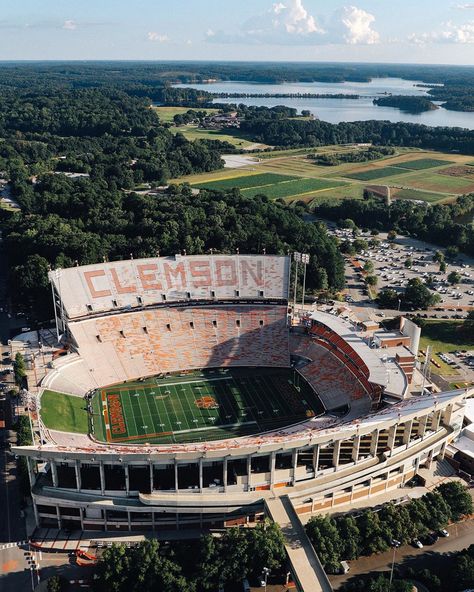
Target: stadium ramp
(306,567)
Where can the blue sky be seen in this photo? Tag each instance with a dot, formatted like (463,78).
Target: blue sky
(420,31)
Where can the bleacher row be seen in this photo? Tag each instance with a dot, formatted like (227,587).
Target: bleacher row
(342,345)
(128,346)
(327,372)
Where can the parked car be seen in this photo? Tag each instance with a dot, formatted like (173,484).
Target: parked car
(345,568)
(417,543)
(443,532)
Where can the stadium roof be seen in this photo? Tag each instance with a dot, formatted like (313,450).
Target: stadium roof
(377,369)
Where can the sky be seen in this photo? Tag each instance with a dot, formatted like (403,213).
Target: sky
(401,31)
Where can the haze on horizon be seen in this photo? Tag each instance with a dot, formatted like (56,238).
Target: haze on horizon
(427,31)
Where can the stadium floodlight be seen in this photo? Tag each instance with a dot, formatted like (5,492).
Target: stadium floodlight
(297,259)
(305,261)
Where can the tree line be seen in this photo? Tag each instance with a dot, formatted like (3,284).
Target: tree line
(86,220)
(199,566)
(348,537)
(442,224)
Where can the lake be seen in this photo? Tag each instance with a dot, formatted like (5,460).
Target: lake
(337,110)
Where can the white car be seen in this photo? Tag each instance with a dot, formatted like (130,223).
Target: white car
(418,544)
(443,532)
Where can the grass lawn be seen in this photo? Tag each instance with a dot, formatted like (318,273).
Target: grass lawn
(166,114)
(246,182)
(234,137)
(444,336)
(65,413)
(423,163)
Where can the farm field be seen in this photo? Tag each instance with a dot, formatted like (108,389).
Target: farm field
(411,173)
(292,188)
(423,163)
(375,173)
(246,182)
(208,405)
(432,181)
(63,412)
(416,194)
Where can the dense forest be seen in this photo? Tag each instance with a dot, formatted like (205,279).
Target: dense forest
(152,79)
(85,220)
(406,103)
(299,132)
(437,224)
(81,147)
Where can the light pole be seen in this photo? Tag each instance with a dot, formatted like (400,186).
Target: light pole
(395,545)
(297,258)
(305,261)
(265,573)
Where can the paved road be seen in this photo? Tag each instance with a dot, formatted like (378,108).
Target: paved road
(14,561)
(461,536)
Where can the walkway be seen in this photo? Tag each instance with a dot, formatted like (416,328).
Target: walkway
(307,569)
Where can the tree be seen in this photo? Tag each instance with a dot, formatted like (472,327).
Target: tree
(140,569)
(408,262)
(391,235)
(418,295)
(57,584)
(387,298)
(454,278)
(452,252)
(360,244)
(209,564)
(443,267)
(373,537)
(348,247)
(347,223)
(266,547)
(350,537)
(419,516)
(371,280)
(457,497)
(325,538)
(440,511)
(19,369)
(234,551)
(368,266)
(374,243)
(438,257)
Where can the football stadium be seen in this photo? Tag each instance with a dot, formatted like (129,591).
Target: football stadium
(186,393)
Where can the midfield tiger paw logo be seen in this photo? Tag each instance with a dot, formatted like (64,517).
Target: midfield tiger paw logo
(206,403)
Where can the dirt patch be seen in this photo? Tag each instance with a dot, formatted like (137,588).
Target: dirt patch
(458,171)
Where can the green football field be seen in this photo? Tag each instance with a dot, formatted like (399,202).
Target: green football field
(202,406)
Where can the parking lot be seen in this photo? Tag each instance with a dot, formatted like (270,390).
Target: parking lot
(389,260)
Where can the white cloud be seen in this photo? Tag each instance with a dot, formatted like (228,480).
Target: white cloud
(294,18)
(358,24)
(69,25)
(468,6)
(288,22)
(157,37)
(452,33)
